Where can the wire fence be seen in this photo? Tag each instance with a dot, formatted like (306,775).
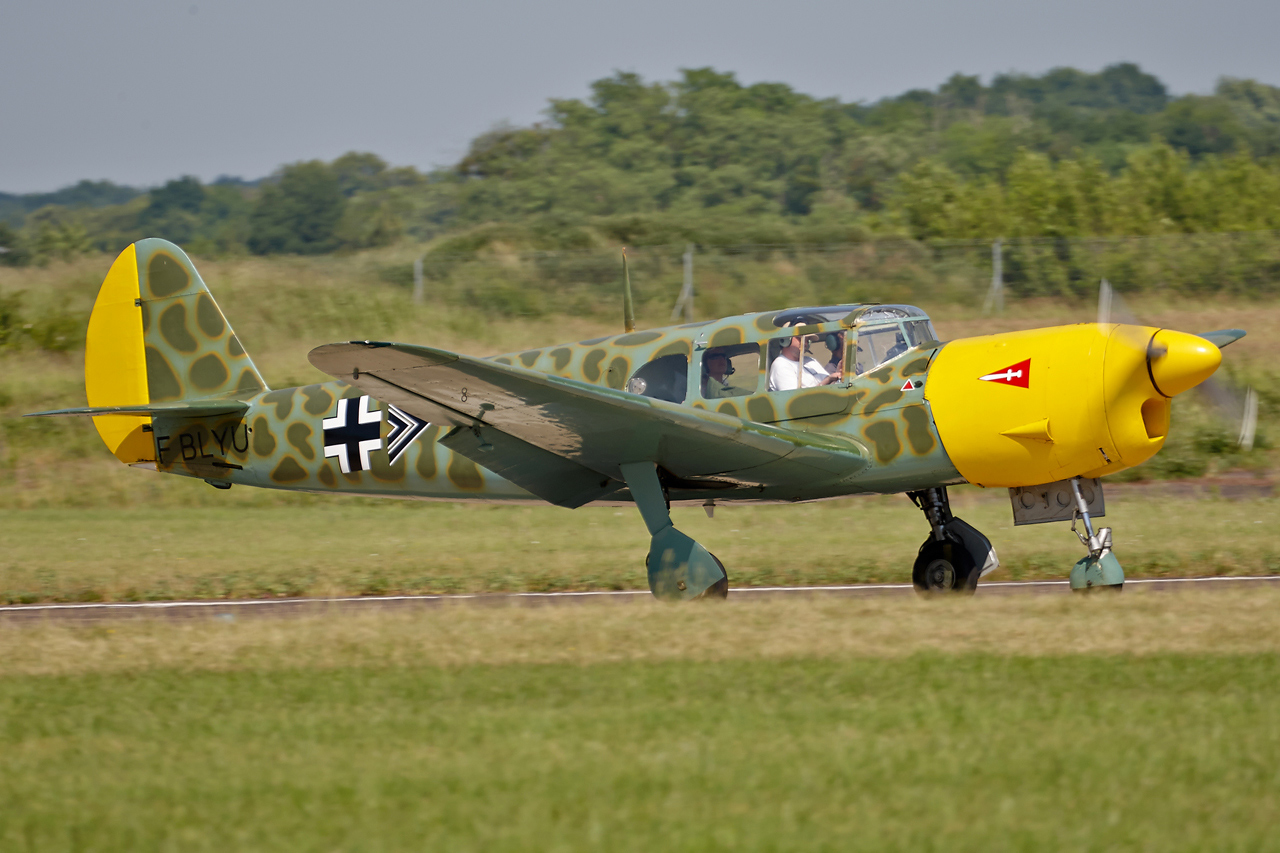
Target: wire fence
(715,281)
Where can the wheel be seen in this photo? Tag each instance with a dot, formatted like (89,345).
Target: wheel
(720,589)
(944,567)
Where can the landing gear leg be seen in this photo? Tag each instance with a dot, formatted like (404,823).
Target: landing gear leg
(679,568)
(1101,569)
(955,555)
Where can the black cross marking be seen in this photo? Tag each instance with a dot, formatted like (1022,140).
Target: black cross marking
(352,433)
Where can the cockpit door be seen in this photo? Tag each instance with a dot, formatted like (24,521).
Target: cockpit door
(806,377)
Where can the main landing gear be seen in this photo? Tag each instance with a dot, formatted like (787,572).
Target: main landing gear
(1101,569)
(679,568)
(955,555)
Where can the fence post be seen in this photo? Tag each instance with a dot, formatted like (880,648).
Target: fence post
(419,287)
(995,296)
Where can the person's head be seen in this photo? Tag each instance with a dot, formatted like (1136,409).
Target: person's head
(716,364)
(793,346)
(835,342)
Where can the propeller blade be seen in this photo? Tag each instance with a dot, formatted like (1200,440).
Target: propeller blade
(1112,307)
(1249,424)
(1222,337)
(1235,408)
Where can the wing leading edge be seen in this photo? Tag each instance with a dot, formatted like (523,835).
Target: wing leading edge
(565,440)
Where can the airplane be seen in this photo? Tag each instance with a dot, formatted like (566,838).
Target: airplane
(801,404)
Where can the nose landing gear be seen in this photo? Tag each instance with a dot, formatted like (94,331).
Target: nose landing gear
(1101,569)
(955,555)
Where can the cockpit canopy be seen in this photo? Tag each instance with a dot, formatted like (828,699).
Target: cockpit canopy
(733,358)
(884,331)
(832,313)
(814,315)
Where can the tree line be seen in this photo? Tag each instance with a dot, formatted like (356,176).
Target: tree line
(706,159)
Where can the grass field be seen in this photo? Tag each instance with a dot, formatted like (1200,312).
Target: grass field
(348,547)
(1140,721)
(1145,721)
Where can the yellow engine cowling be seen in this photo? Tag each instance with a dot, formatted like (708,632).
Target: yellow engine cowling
(1025,408)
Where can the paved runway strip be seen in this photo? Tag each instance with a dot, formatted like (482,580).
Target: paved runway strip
(277,607)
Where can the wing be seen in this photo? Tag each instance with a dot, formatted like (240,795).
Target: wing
(564,440)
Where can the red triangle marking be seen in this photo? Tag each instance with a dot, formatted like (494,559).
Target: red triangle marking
(906,386)
(1018,375)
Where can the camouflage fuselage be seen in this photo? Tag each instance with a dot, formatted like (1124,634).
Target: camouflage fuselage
(279,442)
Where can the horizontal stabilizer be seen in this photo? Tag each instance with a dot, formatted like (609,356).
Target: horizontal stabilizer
(1222,337)
(195,409)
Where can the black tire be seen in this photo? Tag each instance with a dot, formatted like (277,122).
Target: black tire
(944,567)
(719,590)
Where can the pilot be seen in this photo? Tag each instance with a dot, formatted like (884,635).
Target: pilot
(716,371)
(787,373)
(898,348)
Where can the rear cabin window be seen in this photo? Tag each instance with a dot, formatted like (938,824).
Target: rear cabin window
(730,371)
(664,378)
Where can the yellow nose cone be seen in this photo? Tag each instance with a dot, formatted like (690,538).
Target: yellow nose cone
(1180,361)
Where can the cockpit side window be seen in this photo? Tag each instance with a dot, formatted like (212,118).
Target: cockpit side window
(730,371)
(663,378)
(822,362)
(878,345)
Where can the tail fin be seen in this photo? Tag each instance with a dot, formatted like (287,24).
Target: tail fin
(157,336)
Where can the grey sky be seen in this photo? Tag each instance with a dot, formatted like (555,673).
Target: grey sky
(139,91)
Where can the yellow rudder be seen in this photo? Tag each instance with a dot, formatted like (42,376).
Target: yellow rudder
(115,368)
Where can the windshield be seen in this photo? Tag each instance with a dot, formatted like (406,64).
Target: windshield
(878,345)
(920,332)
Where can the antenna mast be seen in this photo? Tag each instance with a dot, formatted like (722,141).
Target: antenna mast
(628,309)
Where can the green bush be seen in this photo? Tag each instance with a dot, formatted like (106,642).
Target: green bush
(53,331)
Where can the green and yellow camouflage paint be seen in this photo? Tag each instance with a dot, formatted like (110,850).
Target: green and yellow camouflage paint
(190,354)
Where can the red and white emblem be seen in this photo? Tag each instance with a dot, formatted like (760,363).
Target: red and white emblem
(1015,374)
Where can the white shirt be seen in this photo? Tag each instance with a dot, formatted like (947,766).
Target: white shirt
(786,375)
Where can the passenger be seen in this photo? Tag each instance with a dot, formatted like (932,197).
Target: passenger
(835,342)
(787,374)
(716,371)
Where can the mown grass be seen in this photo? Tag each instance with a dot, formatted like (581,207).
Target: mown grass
(369,547)
(1130,722)
(460,634)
